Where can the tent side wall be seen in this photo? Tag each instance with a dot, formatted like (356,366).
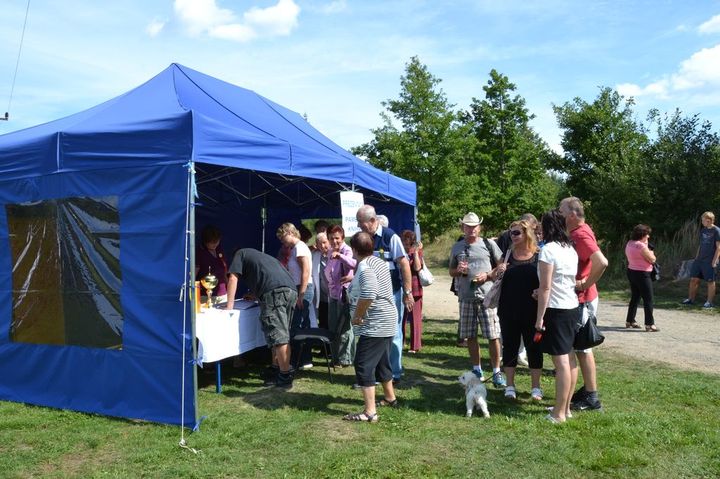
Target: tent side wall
(65,259)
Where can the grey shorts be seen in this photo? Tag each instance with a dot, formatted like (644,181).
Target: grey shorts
(276,310)
(473,313)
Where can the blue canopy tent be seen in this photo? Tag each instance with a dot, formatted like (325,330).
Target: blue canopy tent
(97,214)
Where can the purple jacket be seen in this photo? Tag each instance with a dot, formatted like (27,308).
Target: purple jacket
(338,267)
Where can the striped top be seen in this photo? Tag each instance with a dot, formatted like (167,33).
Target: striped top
(372,281)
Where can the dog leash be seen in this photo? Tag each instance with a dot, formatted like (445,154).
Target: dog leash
(492,376)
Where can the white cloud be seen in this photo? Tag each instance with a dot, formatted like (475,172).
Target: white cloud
(155,27)
(205,17)
(711,26)
(279,19)
(700,71)
(335,6)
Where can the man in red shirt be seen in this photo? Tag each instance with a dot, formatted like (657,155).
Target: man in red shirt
(591,265)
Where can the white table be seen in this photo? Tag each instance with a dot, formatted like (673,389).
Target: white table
(223,334)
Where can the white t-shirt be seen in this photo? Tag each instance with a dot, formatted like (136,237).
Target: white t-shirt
(564,260)
(298,251)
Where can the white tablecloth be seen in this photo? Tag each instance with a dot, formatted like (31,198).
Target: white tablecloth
(222,334)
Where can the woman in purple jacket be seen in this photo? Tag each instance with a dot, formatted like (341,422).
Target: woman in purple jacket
(339,274)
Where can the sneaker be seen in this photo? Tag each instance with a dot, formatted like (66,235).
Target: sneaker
(499,380)
(687,301)
(284,381)
(270,376)
(305,367)
(578,395)
(510,392)
(586,404)
(536,394)
(708,305)
(478,373)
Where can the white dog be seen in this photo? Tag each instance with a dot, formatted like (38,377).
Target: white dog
(475,393)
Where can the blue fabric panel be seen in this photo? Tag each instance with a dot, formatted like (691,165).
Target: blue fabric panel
(115,383)
(143,379)
(224,144)
(28,157)
(128,144)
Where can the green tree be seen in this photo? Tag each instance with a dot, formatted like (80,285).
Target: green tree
(422,140)
(604,161)
(684,168)
(510,154)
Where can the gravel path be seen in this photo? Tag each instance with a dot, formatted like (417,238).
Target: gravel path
(687,339)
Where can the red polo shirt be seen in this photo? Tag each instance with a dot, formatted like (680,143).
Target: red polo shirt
(585,246)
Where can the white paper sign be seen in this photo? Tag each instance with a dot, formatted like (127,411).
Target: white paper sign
(350,202)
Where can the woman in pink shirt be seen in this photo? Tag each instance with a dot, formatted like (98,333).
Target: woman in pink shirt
(640,261)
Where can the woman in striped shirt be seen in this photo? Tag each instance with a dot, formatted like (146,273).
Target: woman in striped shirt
(372,308)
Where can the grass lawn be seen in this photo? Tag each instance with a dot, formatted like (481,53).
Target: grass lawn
(659,422)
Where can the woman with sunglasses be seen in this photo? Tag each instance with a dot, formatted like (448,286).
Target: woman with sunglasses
(517,307)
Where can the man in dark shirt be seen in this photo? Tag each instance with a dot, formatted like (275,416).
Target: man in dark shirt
(706,260)
(275,290)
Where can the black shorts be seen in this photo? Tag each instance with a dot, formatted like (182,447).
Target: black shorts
(560,327)
(372,360)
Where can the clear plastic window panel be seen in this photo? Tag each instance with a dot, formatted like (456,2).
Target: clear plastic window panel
(66,276)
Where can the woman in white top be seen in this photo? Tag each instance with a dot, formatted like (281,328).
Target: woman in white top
(300,266)
(557,312)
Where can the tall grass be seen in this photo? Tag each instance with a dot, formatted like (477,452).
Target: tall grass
(437,253)
(671,253)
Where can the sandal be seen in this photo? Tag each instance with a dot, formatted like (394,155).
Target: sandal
(510,392)
(361,417)
(536,394)
(652,329)
(386,403)
(632,325)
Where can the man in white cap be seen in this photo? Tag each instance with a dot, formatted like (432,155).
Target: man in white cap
(475,263)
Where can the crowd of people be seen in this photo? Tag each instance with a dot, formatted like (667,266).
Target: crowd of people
(368,296)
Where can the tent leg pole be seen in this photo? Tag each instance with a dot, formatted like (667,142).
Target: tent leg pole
(218,378)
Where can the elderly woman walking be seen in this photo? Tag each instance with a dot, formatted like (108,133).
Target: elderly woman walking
(373,312)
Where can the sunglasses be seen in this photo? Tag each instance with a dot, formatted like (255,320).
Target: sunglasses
(516,232)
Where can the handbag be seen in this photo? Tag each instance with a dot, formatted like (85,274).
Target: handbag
(655,273)
(492,297)
(588,336)
(425,276)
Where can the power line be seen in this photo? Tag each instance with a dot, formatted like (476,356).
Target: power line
(17,63)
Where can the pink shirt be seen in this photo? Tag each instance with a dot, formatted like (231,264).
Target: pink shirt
(636,261)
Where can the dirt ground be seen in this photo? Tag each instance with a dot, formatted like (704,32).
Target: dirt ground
(689,340)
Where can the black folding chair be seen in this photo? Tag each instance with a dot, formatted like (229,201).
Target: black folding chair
(306,337)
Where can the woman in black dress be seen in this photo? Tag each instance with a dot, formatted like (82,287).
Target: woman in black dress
(517,307)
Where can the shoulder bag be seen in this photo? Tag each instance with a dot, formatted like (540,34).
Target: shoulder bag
(492,297)
(588,336)
(425,276)
(655,273)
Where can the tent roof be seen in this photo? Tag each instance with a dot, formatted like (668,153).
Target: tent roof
(182,114)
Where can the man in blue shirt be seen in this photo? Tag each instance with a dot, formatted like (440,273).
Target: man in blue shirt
(706,260)
(388,247)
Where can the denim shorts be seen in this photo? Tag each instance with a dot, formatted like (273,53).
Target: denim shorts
(702,270)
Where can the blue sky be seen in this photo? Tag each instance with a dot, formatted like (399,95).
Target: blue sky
(337,60)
